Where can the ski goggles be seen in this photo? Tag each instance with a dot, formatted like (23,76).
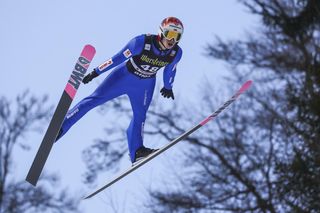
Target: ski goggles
(170,34)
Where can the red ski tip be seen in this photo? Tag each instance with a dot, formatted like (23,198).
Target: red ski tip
(245,86)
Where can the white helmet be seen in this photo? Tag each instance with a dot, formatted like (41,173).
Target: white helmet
(171,28)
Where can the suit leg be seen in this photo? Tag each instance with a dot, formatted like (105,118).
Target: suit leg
(140,101)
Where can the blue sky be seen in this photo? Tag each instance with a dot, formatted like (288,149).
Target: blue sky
(41,40)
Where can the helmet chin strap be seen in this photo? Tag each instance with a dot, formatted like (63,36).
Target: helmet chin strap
(162,45)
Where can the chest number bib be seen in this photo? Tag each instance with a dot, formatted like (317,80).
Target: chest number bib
(149,68)
(147,63)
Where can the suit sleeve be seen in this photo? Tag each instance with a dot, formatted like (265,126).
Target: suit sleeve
(170,71)
(134,47)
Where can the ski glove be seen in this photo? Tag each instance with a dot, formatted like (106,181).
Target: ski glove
(89,77)
(167,93)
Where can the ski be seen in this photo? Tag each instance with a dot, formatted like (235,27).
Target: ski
(62,108)
(244,87)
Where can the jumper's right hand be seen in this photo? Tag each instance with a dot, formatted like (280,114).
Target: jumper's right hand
(89,77)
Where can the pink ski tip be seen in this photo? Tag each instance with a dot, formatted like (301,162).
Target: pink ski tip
(245,86)
(70,90)
(88,52)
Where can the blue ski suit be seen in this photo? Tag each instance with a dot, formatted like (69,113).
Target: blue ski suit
(134,74)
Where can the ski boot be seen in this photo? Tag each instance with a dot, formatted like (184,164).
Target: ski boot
(142,153)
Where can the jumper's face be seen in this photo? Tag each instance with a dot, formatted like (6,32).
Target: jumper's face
(170,38)
(168,44)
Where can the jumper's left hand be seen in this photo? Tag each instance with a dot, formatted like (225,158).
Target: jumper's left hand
(167,93)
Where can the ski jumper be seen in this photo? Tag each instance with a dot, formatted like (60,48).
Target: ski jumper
(135,68)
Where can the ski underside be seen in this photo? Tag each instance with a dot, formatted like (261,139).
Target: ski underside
(65,101)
